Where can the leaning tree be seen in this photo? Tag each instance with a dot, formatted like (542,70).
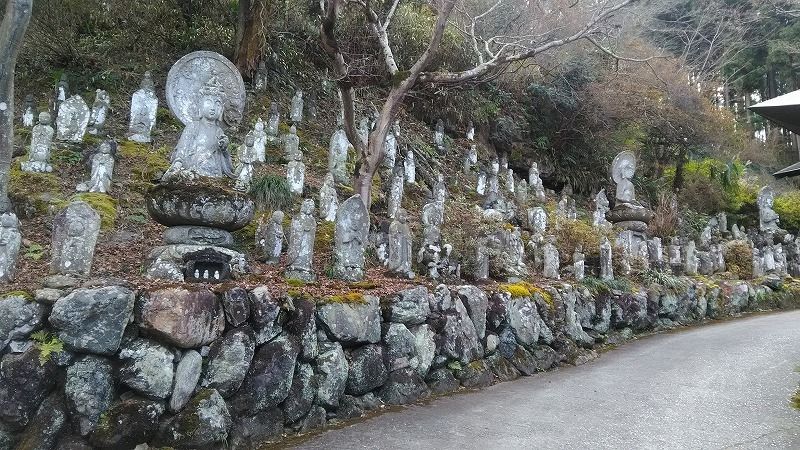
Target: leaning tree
(12,30)
(502,34)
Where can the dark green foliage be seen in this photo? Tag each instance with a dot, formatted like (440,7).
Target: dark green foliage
(271,192)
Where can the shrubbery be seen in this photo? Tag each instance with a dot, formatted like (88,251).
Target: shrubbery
(788,207)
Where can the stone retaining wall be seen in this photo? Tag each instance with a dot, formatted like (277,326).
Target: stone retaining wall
(185,367)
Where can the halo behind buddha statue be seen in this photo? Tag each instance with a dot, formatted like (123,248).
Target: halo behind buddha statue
(190,79)
(627,214)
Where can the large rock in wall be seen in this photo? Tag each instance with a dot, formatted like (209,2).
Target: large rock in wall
(191,368)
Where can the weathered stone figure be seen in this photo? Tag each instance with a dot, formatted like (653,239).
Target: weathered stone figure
(300,254)
(61,93)
(537,220)
(606,263)
(480,187)
(337,155)
(10,243)
(28,111)
(768,218)
(432,220)
(395,200)
(291,145)
(690,261)
(522,193)
(439,189)
(296,111)
(494,176)
(296,176)
(352,228)
(273,122)
(363,130)
(261,78)
(205,92)
(578,263)
(41,141)
(400,252)
(438,136)
(328,199)
(623,170)
(509,181)
(270,237)
(535,182)
(390,146)
(144,107)
(410,167)
(246,158)
(551,257)
(600,210)
(102,169)
(73,118)
(260,141)
(75,232)
(100,107)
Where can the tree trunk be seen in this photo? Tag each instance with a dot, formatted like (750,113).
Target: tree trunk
(12,30)
(250,36)
(677,183)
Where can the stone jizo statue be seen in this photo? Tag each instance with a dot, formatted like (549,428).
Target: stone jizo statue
(352,229)
(273,122)
(102,169)
(622,171)
(328,199)
(75,232)
(72,120)
(768,218)
(300,254)
(410,167)
(28,111)
(291,145)
(337,155)
(400,251)
(247,157)
(396,193)
(296,113)
(100,107)
(260,141)
(41,142)
(601,207)
(10,243)
(61,93)
(270,237)
(144,107)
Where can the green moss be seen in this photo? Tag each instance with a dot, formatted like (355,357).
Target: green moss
(366,285)
(24,294)
(294,282)
(30,183)
(795,400)
(91,140)
(349,298)
(517,290)
(323,240)
(144,162)
(104,204)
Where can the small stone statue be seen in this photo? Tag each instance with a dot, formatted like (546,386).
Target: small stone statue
(537,220)
(296,176)
(296,112)
(578,263)
(270,237)
(10,243)
(28,111)
(260,141)
(300,254)
(400,252)
(363,130)
(328,199)
(480,187)
(439,189)
(622,171)
(600,209)
(522,193)
(41,141)
(261,77)
(606,263)
(102,164)
(61,93)
(438,136)
(535,182)
(97,119)
(75,232)
(768,218)
(246,157)
(509,181)
(432,220)
(494,177)
(337,155)
(551,259)
(396,192)
(273,122)
(144,107)
(410,167)
(690,261)
(72,120)
(291,146)
(390,146)
(352,228)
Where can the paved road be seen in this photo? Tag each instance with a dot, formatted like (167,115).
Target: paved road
(719,386)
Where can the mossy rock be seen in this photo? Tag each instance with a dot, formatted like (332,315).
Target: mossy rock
(145,162)
(104,204)
(203,202)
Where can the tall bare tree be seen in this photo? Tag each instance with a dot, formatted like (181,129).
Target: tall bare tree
(12,30)
(500,37)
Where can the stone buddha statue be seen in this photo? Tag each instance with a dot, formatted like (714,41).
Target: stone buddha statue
(203,146)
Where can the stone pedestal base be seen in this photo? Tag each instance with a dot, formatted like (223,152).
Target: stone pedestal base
(167,262)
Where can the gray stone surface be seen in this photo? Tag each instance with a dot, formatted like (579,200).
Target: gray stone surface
(147,367)
(296,110)
(332,370)
(400,346)
(337,156)
(400,252)
(296,176)
(768,218)
(72,120)
(185,317)
(253,431)
(198,235)
(228,361)
(89,391)
(367,370)
(24,384)
(301,394)
(128,423)
(19,317)
(102,169)
(270,238)
(93,320)
(99,113)
(411,306)
(187,374)
(352,323)
(458,339)
(236,303)
(75,232)
(41,145)
(43,431)
(328,199)
(403,386)
(395,200)
(476,302)
(425,348)
(269,377)
(205,421)
(350,238)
